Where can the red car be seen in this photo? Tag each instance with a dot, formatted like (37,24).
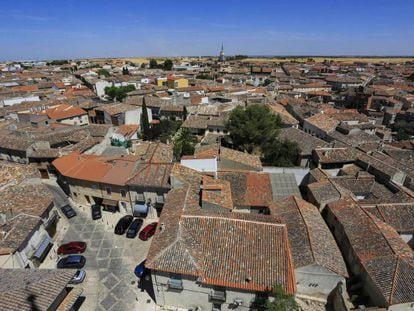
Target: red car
(148,231)
(71,248)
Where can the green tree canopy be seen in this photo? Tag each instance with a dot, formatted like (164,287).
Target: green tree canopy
(184,143)
(118,93)
(58,62)
(282,301)
(153,64)
(103,72)
(404,129)
(168,64)
(125,71)
(255,129)
(250,127)
(280,153)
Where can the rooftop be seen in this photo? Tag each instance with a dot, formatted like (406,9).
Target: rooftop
(309,236)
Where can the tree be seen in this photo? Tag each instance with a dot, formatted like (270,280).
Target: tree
(404,129)
(184,143)
(165,130)
(125,71)
(143,66)
(146,135)
(168,64)
(153,64)
(118,93)
(282,301)
(252,126)
(280,153)
(411,77)
(103,72)
(58,62)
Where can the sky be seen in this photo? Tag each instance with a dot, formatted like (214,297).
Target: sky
(69,29)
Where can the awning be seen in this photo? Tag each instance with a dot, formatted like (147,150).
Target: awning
(140,209)
(109,202)
(43,248)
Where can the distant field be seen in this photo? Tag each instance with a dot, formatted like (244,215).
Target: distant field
(336,59)
(318,59)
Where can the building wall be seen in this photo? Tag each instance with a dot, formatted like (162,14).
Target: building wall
(79,120)
(21,258)
(195,295)
(100,87)
(201,165)
(316,281)
(179,83)
(79,189)
(18,156)
(313,130)
(134,116)
(18,100)
(124,202)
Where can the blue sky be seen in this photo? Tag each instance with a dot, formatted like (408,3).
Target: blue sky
(45,29)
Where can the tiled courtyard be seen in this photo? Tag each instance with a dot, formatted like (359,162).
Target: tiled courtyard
(110,283)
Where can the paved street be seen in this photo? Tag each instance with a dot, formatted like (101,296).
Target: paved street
(110,260)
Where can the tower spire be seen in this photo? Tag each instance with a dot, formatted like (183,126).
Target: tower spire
(222,58)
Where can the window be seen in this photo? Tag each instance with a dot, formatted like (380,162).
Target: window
(108,191)
(160,198)
(218,295)
(175,282)
(140,197)
(123,193)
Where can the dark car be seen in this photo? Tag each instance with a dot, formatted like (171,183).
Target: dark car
(134,228)
(148,231)
(140,270)
(71,262)
(68,211)
(123,224)
(96,211)
(71,248)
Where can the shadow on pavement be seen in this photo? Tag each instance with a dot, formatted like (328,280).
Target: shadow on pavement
(145,284)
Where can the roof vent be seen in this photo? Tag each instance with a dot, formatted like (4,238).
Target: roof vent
(248,279)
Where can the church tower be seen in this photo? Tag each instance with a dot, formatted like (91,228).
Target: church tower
(222,58)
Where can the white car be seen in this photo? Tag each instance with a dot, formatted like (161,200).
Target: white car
(78,277)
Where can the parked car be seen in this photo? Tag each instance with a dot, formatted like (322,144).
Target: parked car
(78,277)
(123,224)
(140,271)
(148,231)
(68,211)
(71,262)
(71,248)
(134,228)
(96,211)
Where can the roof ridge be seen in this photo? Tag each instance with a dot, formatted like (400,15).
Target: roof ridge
(397,264)
(306,226)
(379,229)
(233,219)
